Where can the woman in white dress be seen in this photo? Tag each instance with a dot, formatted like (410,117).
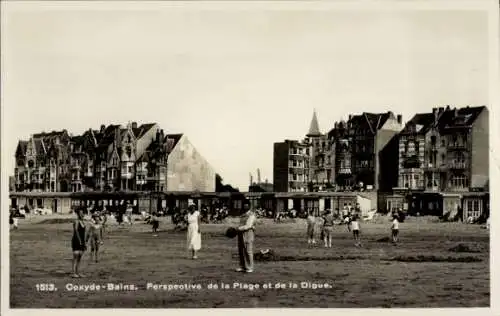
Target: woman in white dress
(193,230)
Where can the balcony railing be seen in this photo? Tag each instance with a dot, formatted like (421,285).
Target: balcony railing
(457,146)
(345,171)
(458,165)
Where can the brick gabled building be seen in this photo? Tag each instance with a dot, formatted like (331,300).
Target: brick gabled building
(442,156)
(364,148)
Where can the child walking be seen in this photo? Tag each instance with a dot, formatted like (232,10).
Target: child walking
(355,230)
(311,226)
(395,229)
(95,236)
(155,223)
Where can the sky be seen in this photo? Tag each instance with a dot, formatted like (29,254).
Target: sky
(234,80)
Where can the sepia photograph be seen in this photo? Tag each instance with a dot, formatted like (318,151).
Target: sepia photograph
(166,155)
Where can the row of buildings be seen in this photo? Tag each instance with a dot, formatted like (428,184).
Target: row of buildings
(445,151)
(113,158)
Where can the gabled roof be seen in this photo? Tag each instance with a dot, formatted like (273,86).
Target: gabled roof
(314,126)
(419,124)
(21,148)
(171,141)
(460,117)
(39,146)
(370,121)
(78,142)
(143,158)
(108,136)
(52,134)
(143,129)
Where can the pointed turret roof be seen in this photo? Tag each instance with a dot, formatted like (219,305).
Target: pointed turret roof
(314,127)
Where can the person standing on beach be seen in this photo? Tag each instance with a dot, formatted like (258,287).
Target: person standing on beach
(246,237)
(328,229)
(193,230)
(95,237)
(395,229)
(355,230)
(78,242)
(311,227)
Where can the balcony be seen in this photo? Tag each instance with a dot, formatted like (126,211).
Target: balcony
(345,171)
(457,165)
(411,162)
(456,146)
(431,167)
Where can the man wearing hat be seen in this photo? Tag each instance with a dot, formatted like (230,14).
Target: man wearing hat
(246,237)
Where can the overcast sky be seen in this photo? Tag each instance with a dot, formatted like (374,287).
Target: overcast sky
(234,81)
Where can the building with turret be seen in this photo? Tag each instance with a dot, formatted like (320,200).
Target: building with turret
(321,168)
(306,165)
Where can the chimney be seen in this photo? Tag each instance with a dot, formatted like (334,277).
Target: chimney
(258,176)
(162,135)
(134,125)
(103,127)
(117,134)
(435,112)
(350,117)
(455,112)
(400,118)
(251,179)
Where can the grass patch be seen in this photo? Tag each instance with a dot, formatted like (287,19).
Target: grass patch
(52,221)
(471,248)
(430,258)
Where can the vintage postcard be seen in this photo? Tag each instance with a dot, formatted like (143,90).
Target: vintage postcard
(242,155)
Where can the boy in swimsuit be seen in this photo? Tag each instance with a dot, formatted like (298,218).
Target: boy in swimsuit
(311,226)
(95,237)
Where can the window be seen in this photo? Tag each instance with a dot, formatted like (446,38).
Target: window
(469,205)
(476,205)
(130,169)
(459,181)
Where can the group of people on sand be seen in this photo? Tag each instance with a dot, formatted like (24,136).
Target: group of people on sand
(327,221)
(92,232)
